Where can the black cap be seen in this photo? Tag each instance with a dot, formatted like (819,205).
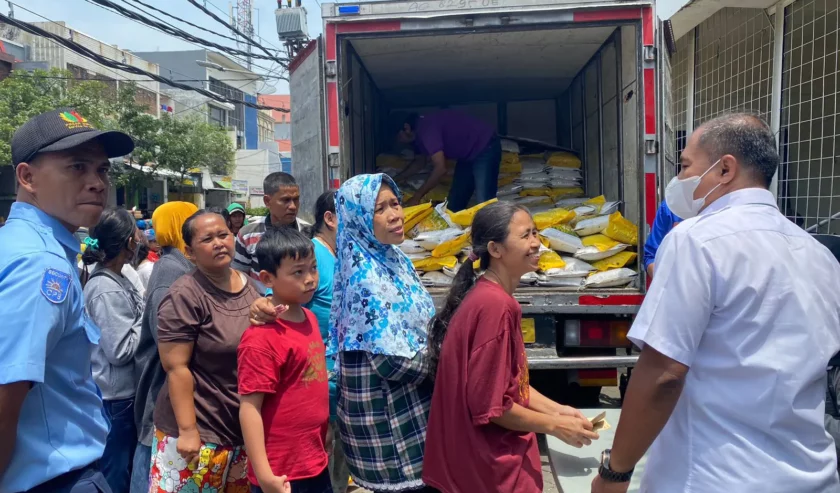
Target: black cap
(60,130)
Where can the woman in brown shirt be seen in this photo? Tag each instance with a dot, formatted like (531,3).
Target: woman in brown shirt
(198,441)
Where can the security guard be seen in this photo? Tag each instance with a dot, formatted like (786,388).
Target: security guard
(51,423)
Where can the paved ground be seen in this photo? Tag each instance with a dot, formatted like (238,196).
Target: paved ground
(609,398)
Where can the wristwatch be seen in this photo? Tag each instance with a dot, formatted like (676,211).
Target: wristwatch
(608,474)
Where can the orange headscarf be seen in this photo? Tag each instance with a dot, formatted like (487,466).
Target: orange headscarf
(168,219)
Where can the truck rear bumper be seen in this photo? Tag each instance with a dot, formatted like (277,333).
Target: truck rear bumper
(547,359)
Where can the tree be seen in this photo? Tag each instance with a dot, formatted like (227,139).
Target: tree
(24,95)
(189,143)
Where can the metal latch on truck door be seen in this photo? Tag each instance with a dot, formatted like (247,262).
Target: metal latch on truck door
(651,146)
(330,70)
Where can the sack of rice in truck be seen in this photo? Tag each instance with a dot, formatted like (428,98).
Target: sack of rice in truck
(593,253)
(410,246)
(465,217)
(435,279)
(563,160)
(573,268)
(592,226)
(453,246)
(434,264)
(433,239)
(552,217)
(611,279)
(550,260)
(561,242)
(616,261)
(620,229)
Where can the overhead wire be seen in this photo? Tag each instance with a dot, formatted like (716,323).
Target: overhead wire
(236,58)
(179,33)
(87,53)
(229,26)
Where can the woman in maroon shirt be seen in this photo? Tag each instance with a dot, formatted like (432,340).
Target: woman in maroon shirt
(483,406)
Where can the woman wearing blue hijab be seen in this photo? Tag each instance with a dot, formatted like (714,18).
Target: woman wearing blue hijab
(378,323)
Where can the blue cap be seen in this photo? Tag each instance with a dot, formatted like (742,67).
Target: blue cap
(150,235)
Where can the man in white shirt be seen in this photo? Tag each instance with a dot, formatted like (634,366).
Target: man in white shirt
(736,332)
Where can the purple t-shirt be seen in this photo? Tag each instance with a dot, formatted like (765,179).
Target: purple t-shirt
(458,135)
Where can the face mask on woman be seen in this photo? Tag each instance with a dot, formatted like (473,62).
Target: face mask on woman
(679,195)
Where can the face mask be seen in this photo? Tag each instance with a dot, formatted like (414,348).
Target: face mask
(679,195)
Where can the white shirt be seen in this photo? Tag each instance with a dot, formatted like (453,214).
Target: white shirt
(751,304)
(144,271)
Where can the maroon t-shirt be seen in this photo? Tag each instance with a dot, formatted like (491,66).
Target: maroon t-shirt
(482,372)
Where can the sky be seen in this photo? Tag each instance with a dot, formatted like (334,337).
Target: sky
(112,28)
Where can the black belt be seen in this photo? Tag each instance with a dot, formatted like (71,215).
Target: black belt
(66,481)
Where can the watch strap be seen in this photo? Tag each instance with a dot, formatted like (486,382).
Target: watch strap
(609,475)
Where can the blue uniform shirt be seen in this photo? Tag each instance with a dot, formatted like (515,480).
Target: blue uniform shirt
(47,339)
(664,222)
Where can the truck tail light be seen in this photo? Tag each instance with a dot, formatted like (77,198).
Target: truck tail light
(596,333)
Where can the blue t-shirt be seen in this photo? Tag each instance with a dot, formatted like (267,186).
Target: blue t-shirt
(47,339)
(662,224)
(321,305)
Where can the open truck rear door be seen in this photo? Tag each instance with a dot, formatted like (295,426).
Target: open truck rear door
(309,145)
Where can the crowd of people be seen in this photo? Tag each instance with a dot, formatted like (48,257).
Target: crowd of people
(212,354)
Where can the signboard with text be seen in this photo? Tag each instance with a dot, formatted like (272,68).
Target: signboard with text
(239,186)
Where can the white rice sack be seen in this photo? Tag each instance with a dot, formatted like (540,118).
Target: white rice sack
(584,210)
(512,189)
(592,253)
(392,172)
(561,282)
(436,279)
(410,246)
(510,146)
(562,242)
(571,203)
(574,268)
(532,165)
(611,278)
(432,239)
(533,177)
(452,272)
(540,208)
(563,183)
(419,256)
(567,173)
(592,226)
(534,185)
(529,279)
(608,208)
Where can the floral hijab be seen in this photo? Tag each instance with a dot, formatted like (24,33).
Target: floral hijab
(379,305)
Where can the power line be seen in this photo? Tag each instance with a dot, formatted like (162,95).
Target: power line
(87,53)
(179,33)
(103,78)
(198,44)
(232,28)
(167,14)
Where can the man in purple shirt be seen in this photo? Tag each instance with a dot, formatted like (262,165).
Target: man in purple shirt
(450,134)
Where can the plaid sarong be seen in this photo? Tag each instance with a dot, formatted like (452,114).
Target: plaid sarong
(383,408)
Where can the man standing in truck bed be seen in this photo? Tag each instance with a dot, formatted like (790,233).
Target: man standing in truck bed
(451,134)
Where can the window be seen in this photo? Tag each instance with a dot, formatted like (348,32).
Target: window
(236,118)
(218,116)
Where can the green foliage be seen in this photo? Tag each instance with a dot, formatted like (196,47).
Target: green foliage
(177,145)
(256,211)
(24,95)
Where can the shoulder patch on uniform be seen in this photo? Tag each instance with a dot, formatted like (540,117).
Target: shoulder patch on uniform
(55,285)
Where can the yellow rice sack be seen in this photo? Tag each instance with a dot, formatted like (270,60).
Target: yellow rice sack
(536,192)
(432,222)
(551,260)
(412,212)
(615,262)
(622,230)
(432,264)
(465,217)
(417,219)
(563,160)
(510,163)
(601,242)
(599,200)
(559,193)
(507,179)
(391,161)
(452,247)
(552,217)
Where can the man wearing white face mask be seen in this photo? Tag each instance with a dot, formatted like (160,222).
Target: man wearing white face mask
(736,332)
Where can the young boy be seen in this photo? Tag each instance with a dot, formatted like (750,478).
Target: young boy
(283,376)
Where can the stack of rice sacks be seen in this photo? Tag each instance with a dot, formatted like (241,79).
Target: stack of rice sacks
(588,245)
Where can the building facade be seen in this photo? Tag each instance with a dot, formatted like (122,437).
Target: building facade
(282,126)
(217,73)
(780,61)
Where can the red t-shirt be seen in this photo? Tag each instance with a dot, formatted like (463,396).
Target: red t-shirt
(285,361)
(482,372)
